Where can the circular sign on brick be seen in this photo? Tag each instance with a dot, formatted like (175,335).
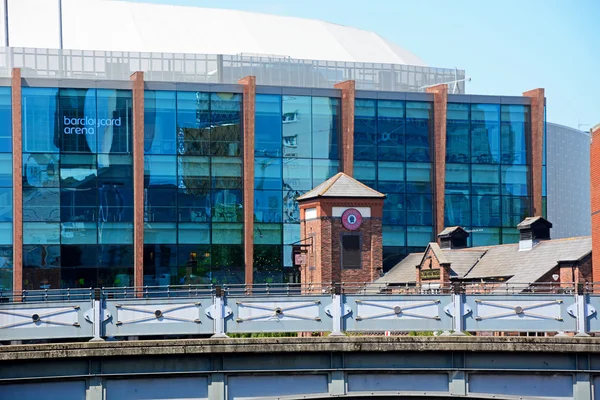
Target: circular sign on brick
(351,219)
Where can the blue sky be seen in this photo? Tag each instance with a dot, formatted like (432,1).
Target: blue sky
(506,46)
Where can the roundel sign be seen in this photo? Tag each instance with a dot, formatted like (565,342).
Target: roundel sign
(351,219)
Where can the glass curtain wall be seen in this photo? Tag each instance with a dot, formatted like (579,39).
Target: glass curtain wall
(487,170)
(77,188)
(6,209)
(193,193)
(392,141)
(296,148)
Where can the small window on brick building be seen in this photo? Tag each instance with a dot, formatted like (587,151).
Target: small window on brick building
(351,251)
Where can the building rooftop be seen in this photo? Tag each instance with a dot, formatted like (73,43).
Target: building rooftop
(342,185)
(498,261)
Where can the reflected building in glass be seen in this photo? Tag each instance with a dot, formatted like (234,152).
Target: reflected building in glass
(177,184)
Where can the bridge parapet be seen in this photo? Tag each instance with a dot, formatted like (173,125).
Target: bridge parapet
(194,311)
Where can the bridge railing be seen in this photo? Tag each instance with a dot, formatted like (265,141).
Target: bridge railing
(354,308)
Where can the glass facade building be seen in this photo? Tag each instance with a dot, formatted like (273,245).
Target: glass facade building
(78,177)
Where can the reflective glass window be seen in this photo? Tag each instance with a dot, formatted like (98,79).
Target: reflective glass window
(193,123)
(268,234)
(514,180)
(510,235)
(194,173)
(115,204)
(457,178)
(6,204)
(267,173)
(485,133)
(160,171)
(268,126)
(41,233)
(41,267)
(78,233)
(6,230)
(514,210)
(78,124)
(457,210)
(226,173)
(485,179)
(458,133)
(297,126)
(6,170)
(160,265)
(40,170)
(194,233)
(418,178)
(268,206)
(419,209)
(160,122)
(194,205)
(5,121)
(394,235)
(486,237)
(390,176)
(42,205)
(268,264)
(291,209)
(366,172)
(39,120)
(419,122)
(514,128)
(77,204)
(78,170)
(6,267)
(486,210)
(160,205)
(394,209)
(115,233)
(297,174)
(323,170)
(227,233)
(418,235)
(365,129)
(160,232)
(291,233)
(225,117)
(325,124)
(227,205)
(114,121)
(391,126)
(115,170)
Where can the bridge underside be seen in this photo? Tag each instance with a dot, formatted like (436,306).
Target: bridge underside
(305,368)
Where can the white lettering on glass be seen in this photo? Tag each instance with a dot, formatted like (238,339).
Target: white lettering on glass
(87,126)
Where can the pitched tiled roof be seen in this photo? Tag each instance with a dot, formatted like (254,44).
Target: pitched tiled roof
(342,185)
(499,261)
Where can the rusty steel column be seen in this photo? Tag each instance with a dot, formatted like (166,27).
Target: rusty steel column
(17,180)
(137,79)
(348,89)
(249,108)
(440,108)
(536,147)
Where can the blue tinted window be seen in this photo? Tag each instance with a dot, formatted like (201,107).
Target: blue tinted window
(325,114)
(457,210)
(227,206)
(486,210)
(485,179)
(458,133)
(323,170)
(160,205)
(160,171)
(297,174)
(297,126)
(40,170)
(394,209)
(514,127)
(114,121)
(390,176)
(268,126)
(40,130)
(514,180)
(6,170)
(418,178)
(390,126)
(5,122)
(160,122)
(267,173)
(78,124)
(225,118)
(193,123)
(485,133)
(42,204)
(365,130)
(514,210)
(418,125)
(6,204)
(366,172)
(268,206)
(419,209)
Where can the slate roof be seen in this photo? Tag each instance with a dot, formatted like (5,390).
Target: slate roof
(342,185)
(499,261)
(529,221)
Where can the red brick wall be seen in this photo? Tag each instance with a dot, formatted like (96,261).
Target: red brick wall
(138,177)
(348,94)
(430,261)
(17,160)
(536,147)
(595,198)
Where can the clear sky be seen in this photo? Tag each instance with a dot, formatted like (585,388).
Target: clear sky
(506,46)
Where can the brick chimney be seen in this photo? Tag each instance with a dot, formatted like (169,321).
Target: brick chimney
(595,200)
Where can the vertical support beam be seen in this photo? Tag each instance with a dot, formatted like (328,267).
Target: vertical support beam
(440,106)
(138,178)
(17,180)
(348,89)
(595,202)
(582,314)
(458,379)
(95,388)
(337,312)
(218,314)
(536,146)
(337,379)
(249,108)
(216,387)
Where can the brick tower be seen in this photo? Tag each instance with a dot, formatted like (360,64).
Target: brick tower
(340,232)
(595,194)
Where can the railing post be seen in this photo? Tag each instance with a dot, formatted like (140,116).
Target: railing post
(337,311)
(457,309)
(581,311)
(219,305)
(97,316)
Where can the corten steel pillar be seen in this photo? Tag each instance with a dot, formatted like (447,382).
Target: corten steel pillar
(249,107)
(138,178)
(17,180)
(595,201)
(536,147)
(348,89)
(440,107)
